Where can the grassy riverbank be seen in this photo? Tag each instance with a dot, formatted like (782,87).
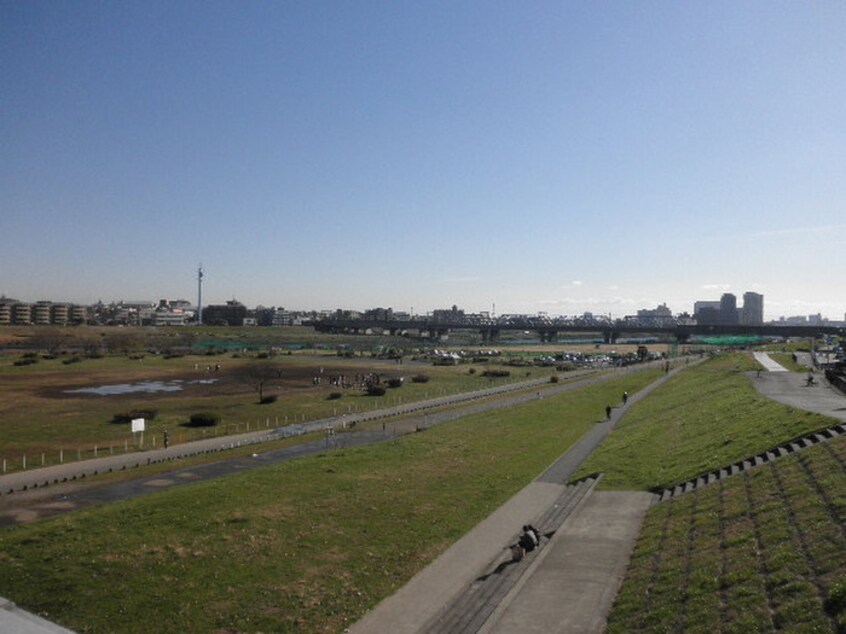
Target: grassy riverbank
(302,546)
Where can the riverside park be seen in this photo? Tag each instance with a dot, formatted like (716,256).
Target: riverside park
(287,481)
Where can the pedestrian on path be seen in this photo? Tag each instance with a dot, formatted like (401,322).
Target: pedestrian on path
(625,397)
(608,412)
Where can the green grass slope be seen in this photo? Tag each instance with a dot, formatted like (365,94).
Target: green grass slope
(764,551)
(704,418)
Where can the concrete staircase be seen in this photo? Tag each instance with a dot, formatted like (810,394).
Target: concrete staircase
(469,611)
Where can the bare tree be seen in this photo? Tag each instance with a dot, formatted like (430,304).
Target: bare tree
(48,340)
(126,342)
(259,376)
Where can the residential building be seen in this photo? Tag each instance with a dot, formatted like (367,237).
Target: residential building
(230,314)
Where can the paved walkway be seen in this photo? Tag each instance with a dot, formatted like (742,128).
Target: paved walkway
(791,388)
(769,365)
(572,588)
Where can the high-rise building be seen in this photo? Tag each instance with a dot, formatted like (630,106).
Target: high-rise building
(728,309)
(753,309)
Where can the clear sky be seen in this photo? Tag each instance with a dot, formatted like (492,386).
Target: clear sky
(536,156)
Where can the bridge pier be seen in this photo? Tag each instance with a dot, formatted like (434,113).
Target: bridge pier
(610,336)
(489,335)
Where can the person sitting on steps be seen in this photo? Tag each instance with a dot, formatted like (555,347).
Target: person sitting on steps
(529,538)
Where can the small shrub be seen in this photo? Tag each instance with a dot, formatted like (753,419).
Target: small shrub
(334,396)
(71,360)
(420,378)
(471,371)
(395,382)
(26,361)
(496,374)
(375,390)
(266,400)
(553,378)
(204,419)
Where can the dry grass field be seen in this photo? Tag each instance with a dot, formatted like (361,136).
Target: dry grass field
(44,418)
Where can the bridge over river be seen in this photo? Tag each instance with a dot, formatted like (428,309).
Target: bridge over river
(548,328)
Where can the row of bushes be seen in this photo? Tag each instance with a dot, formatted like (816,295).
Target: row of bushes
(202,419)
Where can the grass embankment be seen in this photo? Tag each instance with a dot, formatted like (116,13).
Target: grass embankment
(761,552)
(704,418)
(304,546)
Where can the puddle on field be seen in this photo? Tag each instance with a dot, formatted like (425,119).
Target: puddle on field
(148,387)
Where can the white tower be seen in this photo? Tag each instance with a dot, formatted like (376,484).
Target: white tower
(200,295)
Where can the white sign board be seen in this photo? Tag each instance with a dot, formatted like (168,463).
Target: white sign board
(137,424)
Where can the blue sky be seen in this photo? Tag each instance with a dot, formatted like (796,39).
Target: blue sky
(536,156)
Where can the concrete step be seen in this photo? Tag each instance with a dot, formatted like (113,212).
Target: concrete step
(471,609)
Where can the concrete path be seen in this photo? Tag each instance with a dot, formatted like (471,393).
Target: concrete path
(791,388)
(769,365)
(420,601)
(573,585)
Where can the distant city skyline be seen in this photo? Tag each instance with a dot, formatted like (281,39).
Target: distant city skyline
(544,156)
(421,310)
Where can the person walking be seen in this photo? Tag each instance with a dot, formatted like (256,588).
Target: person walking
(625,397)
(608,412)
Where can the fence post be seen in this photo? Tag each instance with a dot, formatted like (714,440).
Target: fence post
(4,465)
(95,451)
(78,454)
(61,456)
(42,460)
(24,462)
